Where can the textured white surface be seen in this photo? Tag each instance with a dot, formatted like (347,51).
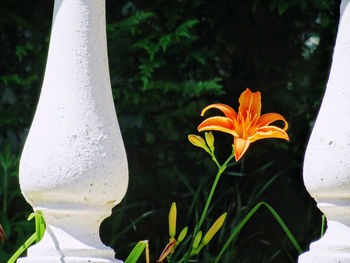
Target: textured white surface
(73,166)
(327,158)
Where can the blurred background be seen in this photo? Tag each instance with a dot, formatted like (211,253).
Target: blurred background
(168,60)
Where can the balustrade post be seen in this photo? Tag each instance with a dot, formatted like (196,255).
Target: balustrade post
(327,157)
(73,166)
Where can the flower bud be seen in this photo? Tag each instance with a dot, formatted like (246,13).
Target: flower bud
(182,235)
(209,137)
(2,234)
(172,220)
(214,228)
(197,239)
(167,250)
(198,141)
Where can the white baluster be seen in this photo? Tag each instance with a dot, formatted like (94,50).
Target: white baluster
(73,166)
(327,158)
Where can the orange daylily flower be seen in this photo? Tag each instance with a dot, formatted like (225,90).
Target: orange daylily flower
(247,126)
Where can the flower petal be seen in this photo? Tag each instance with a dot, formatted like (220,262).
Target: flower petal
(241,146)
(249,103)
(227,110)
(218,124)
(268,118)
(269,132)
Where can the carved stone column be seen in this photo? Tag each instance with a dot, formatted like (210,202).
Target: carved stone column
(73,166)
(327,158)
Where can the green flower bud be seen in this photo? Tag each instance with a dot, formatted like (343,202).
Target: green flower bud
(209,137)
(214,228)
(197,239)
(198,141)
(182,235)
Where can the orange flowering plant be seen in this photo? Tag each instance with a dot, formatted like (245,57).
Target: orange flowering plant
(246,126)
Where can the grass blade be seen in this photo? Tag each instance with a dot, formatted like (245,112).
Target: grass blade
(323,225)
(131,225)
(245,220)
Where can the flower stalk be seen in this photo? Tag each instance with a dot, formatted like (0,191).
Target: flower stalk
(221,169)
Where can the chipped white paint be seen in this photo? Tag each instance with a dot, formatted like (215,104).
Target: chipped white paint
(73,165)
(327,158)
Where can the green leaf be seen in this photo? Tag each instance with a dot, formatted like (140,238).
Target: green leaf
(22,50)
(31,216)
(198,88)
(39,224)
(164,41)
(131,225)
(134,20)
(183,29)
(136,252)
(36,237)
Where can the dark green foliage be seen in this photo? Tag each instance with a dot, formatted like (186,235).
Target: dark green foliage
(169,59)
(24,32)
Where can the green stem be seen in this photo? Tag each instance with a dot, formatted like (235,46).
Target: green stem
(22,248)
(221,169)
(215,160)
(206,207)
(245,220)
